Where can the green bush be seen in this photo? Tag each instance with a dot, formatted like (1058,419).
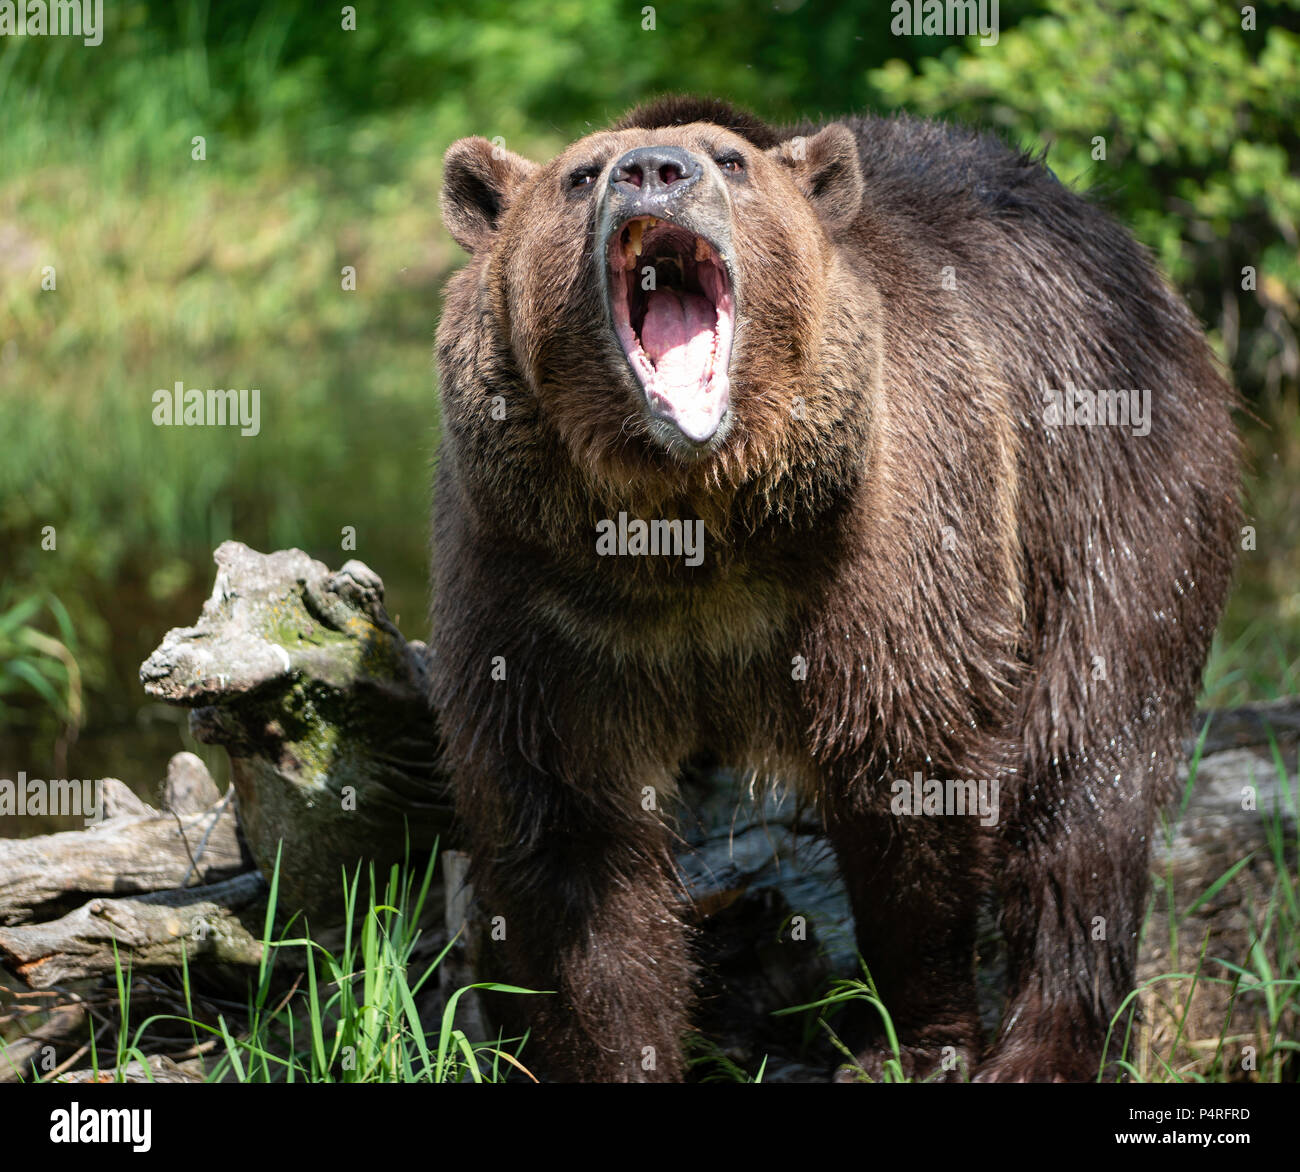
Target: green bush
(1184,121)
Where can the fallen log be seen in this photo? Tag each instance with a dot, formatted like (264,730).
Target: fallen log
(219,924)
(131,849)
(33,1054)
(159,1069)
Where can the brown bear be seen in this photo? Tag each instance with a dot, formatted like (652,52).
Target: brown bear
(870,459)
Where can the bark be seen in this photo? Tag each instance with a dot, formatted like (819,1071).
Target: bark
(134,849)
(321,705)
(222,923)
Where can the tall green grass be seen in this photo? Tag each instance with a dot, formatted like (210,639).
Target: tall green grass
(350,1014)
(39,673)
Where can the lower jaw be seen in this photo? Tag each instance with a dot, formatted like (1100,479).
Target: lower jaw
(694,422)
(667,435)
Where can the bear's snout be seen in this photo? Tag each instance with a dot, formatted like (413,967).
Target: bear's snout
(651,176)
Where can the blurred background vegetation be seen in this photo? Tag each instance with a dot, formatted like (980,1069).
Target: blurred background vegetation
(323,150)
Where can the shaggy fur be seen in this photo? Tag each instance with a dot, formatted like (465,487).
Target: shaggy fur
(886,506)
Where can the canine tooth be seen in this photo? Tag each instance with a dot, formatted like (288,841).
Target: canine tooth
(702,248)
(634,230)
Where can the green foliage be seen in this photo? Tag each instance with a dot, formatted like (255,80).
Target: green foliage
(1253,666)
(1198,121)
(521,68)
(1263,986)
(356,1021)
(707,1062)
(38,671)
(842,991)
(359,1021)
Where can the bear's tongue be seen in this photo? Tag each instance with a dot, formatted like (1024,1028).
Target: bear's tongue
(678,337)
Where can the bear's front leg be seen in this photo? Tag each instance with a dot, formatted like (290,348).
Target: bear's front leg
(915,884)
(578,893)
(1074,885)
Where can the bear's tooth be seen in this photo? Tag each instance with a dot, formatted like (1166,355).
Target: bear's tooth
(635,229)
(702,249)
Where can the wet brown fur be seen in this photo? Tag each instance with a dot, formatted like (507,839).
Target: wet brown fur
(888,506)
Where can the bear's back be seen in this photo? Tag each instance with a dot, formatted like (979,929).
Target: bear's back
(958,226)
(1031,295)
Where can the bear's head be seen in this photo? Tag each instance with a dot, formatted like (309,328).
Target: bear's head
(661,288)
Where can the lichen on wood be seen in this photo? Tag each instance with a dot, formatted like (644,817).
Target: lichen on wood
(321,705)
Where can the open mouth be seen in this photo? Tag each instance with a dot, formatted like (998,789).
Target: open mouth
(676,333)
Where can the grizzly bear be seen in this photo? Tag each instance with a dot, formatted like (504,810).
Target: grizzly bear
(963,475)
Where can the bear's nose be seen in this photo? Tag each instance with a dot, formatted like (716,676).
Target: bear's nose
(662,171)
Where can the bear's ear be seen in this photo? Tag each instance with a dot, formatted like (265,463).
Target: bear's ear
(479,181)
(827,170)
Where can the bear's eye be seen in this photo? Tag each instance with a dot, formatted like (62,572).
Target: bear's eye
(582,177)
(733,164)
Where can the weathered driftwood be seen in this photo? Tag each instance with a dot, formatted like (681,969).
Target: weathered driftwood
(189,788)
(320,704)
(222,923)
(133,849)
(34,1055)
(161,1069)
